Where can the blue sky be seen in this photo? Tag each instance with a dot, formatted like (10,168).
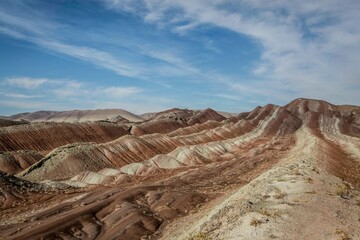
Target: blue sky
(150,55)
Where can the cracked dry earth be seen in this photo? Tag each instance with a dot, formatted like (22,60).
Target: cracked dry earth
(277,172)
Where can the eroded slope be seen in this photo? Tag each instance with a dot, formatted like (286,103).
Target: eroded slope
(288,172)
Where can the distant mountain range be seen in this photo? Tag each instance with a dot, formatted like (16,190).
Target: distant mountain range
(112,115)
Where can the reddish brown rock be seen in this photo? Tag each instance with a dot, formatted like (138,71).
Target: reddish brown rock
(186,174)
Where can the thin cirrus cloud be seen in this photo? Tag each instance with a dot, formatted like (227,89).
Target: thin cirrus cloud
(266,51)
(39,31)
(26,82)
(121,92)
(42,31)
(65,88)
(62,94)
(94,56)
(91,55)
(18,95)
(58,86)
(306,45)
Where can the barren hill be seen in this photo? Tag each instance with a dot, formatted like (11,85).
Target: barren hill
(6,122)
(77,116)
(277,172)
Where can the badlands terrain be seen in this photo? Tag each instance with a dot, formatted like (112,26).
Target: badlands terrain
(277,172)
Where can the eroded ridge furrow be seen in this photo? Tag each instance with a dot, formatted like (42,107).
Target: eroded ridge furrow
(16,161)
(70,160)
(195,128)
(44,137)
(135,209)
(298,191)
(289,172)
(193,155)
(331,130)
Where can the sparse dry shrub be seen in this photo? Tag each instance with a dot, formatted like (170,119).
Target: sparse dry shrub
(297,172)
(280,195)
(343,235)
(342,189)
(201,236)
(269,212)
(315,170)
(347,185)
(255,222)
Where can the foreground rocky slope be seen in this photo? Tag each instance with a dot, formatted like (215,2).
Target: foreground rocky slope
(290,172)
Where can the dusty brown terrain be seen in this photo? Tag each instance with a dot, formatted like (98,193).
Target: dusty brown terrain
(277,172)
(113,115)
(46,136)
(6,122)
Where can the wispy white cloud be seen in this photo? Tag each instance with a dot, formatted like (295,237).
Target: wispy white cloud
(26,82)
(59,87)
(121,92)
(309,48)
(23,104)
(173,59)
(27,20)
(41,30)
(67,94)
(66,88)
(31,25)
(19,95)
(63,88)
(224,95)
(228,96)
(94,56)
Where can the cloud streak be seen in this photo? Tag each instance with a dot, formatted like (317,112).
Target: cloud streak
(94,56)
(121,92)
(64,94)
(306,45)
(41,30)
(26,82)
(19,95)
(185,49)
